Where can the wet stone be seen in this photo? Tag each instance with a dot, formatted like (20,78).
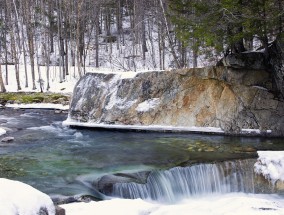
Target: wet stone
(7,139)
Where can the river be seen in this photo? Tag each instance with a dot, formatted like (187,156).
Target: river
(65,161)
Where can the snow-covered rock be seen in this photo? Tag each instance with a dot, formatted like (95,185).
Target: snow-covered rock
(7,139)
(17,198)
(270,164)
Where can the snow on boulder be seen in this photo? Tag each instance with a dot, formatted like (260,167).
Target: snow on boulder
(270,164)
(17,198)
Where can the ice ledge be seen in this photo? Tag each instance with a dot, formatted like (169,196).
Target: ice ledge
(161,128)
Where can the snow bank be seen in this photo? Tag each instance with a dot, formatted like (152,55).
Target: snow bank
(17,198)
(270,164)
(233,204)
(39,106)
(2,131)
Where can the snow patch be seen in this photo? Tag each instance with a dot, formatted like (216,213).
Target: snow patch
(250,131)
(18,198)
(148,105)
(270,164)
(39,106)
(233,204)
(114,100)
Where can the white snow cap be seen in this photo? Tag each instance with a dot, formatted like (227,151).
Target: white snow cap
(17,198)
(270,164)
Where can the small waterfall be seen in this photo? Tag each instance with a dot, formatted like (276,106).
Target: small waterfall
(184,182)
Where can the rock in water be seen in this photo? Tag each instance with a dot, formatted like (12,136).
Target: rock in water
(227,98)
(7,139)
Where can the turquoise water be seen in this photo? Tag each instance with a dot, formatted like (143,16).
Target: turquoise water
(60,160)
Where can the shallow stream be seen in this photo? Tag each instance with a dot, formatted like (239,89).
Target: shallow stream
(59,160)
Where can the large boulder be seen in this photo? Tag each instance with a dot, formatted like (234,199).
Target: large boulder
(17,198)
(227,98)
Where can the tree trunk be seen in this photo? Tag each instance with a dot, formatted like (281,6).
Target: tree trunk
(171,46)
(2,86)
(13,44)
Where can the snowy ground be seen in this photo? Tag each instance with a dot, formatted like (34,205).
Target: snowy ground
(55,86)
(230,204)
(39,106)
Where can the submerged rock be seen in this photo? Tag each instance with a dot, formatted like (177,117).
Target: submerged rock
(105,183)
(231,99)
(7,139)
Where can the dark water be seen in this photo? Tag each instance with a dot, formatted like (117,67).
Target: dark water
(59,160)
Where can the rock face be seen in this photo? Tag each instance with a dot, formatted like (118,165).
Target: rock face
(248,60)
(231,99)
(273,61)
(276,61)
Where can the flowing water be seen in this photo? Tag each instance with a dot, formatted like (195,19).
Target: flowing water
(64,161)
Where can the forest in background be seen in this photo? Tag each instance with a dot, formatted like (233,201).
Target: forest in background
(129,34)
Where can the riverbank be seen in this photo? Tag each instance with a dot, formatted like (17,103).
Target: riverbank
(33,98)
